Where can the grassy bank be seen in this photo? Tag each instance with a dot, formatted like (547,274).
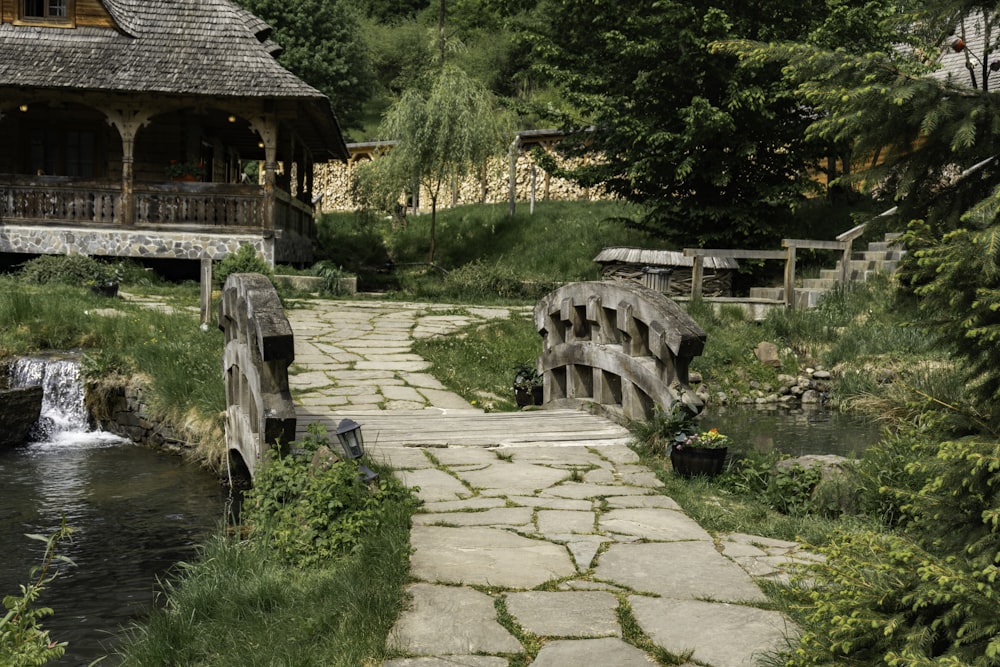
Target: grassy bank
(119,341)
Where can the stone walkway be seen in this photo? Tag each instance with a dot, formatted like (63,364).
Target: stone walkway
(568,548)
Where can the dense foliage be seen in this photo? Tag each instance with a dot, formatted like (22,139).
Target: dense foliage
(713,148)
(322,45)
(931,142)
(311,513)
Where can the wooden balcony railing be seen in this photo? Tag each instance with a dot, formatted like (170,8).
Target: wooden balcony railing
(50,200)
(200,204)
(55,199)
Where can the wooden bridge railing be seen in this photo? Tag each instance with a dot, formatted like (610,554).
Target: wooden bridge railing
(259,347)
(618,345)
(843,243)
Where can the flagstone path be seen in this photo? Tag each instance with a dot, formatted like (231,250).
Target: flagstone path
(537,527)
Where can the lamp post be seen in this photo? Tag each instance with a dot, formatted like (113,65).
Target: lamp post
(353,444)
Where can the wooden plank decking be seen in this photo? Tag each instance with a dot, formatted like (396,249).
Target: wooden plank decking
(473,428)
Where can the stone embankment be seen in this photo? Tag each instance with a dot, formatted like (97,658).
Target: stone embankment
(19,410)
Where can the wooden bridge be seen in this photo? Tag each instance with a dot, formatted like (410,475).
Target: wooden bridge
(610,353)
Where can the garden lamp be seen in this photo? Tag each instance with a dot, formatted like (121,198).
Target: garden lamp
(353,444)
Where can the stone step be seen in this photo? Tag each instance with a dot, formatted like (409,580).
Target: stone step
(804,297)
(818,283)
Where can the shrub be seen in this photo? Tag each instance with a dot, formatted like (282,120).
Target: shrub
(333,279)
(311,514)
(62,269)
(925,596)
(244,260)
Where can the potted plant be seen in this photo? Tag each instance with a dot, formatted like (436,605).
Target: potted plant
(528,386)
(185,171)
(702,453)
(106,279)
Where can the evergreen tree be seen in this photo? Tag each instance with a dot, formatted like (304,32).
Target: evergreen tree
(713,148)
(935,138)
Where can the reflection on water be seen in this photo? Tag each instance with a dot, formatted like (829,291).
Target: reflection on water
(135,513)
(794,432)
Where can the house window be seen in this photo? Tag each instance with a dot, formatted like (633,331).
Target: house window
(57,11)
(56,152)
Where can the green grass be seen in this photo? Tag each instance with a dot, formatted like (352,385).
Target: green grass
(556,244)
(479,362)
(239,606)
(179,363)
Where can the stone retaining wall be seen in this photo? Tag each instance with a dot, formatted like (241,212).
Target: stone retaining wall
(124,411)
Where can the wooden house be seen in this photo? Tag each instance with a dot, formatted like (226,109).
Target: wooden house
(126,126)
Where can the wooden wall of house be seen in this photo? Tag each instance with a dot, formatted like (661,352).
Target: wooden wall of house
(87,13)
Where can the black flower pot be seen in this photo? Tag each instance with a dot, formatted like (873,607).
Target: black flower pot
(693,461)
(109,289)
(523,397)
(538,394)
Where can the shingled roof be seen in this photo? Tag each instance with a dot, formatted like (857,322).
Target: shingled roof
(205,48)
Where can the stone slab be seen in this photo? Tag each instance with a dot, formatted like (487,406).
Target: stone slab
(477,503)
(500,516)
(513,477)
(680,570)
(485,556)
(551,522)
(608,651)
(445,620)
(434,485)
(401,457)
(552,503)
(570,614)
(657,500)
(449,661)
(721,635)
(582,491)
(450,456)
(652,524)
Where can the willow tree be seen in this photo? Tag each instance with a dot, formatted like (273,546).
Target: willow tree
(441,133)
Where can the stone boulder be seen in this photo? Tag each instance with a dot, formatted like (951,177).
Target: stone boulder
(19,411)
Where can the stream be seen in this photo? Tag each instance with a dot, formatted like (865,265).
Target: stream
(135,513)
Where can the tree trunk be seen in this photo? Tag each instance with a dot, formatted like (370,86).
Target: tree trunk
(441,16)
(430,255)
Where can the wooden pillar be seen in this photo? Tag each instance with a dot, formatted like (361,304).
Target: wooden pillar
(515,149)
(206,292)
(266,126)
(697,269)
(127,121)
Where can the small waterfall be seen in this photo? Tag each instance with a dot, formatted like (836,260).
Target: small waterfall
(62,403)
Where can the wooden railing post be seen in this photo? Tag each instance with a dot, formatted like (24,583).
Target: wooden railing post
(697,271)
(790,276)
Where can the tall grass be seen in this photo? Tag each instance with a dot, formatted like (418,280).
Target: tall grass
(240,606)
(557,243)
(180,363)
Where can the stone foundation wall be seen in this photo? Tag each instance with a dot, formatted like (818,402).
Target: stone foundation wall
(105,242)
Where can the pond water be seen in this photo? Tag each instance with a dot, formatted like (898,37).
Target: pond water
(794,432)
(135,512)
